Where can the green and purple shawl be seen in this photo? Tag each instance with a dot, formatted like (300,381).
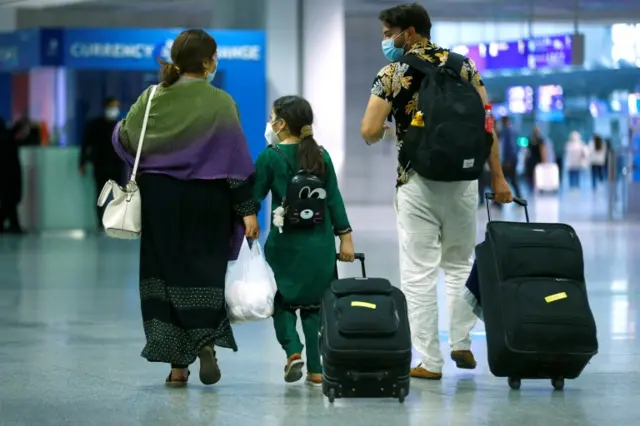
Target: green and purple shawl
(193,132)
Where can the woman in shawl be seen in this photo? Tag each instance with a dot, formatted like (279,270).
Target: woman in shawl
(196,200)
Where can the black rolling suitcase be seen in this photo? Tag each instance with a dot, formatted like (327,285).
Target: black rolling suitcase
(538,321)
(365,341)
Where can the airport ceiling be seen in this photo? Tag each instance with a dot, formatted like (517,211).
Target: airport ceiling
(606,11)
(517,10)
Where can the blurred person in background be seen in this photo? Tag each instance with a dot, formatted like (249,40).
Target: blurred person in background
(610,153)
(598,160)
(96,149)
(575,157)
(197,206)
(536,154)
(10,181)
(25,132)
(558,153)
(509,153)
(484,183)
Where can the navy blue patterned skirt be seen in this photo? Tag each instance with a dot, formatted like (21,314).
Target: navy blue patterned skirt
(184,251)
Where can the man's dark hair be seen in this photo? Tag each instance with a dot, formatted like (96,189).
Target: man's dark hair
(407,15)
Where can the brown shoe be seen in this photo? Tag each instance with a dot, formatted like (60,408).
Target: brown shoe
(178,380)
(293,369)
(209,369)
(420,372)
(314,379)
(464,359)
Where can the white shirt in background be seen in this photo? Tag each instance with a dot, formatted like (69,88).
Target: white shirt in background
(576,152)
(597,158)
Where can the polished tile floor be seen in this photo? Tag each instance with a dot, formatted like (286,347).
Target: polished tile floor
(70,339)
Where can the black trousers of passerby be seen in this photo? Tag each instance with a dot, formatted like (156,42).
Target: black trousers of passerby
(9,215)
(560,164)
(597,175)
(509,171)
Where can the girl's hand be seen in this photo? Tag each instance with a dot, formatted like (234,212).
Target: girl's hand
(347,253)
(251,227)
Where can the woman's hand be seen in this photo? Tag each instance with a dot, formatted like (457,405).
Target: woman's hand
(347,252)
(251,227)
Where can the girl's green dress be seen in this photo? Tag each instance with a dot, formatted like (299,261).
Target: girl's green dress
(304,262)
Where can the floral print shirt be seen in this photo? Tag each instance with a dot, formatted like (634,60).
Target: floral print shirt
(398,84)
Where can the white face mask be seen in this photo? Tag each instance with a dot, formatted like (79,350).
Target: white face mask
(270,135)
(112,113)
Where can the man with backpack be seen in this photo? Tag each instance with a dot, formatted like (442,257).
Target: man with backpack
(445,137)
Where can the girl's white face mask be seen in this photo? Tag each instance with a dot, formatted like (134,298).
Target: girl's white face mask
(270,135)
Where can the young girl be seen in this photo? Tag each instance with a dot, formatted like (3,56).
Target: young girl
(303,260)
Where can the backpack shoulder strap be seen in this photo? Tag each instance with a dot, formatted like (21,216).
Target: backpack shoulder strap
(455,62)
(277,149)
(420,65)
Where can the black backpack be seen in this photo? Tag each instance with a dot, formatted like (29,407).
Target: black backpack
(305,199)
(446,140)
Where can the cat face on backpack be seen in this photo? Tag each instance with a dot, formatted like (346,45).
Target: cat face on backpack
(307,193)
(305,201)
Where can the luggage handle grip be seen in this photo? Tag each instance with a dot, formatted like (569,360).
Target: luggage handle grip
(360,257)
(357,376)
(520,201)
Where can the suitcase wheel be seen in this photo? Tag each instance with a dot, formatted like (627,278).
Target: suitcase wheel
(332,395)
(557,383)
(514,383)
(401,394)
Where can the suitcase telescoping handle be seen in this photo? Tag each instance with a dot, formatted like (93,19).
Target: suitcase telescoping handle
(360,257)
(520,201)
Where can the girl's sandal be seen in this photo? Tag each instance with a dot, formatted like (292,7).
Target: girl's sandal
(177,382)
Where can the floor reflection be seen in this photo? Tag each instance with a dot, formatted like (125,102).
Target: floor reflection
(70,337)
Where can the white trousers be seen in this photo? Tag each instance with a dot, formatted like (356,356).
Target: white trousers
(436,228)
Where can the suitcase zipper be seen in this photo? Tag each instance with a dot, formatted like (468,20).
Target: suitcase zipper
(543,245)
(556,321)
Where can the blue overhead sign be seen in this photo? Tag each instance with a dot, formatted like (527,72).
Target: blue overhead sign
(19,50)
(121,49)
(140,49)
(533,53)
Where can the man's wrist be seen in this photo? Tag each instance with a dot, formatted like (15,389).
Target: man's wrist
(496,173)
(379,137)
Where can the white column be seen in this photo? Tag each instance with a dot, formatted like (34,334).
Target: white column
(306,56)
(323,75)
(8,20)
(283,49)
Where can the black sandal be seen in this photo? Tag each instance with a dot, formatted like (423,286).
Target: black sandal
(209,368)
(179,382)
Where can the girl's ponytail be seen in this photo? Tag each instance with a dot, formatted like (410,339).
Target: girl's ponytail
(311,156)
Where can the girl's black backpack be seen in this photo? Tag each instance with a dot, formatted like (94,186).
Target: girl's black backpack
(304,201)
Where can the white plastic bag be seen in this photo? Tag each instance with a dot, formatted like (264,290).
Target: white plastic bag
(250,286)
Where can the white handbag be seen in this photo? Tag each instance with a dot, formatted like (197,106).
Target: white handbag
(122,216)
